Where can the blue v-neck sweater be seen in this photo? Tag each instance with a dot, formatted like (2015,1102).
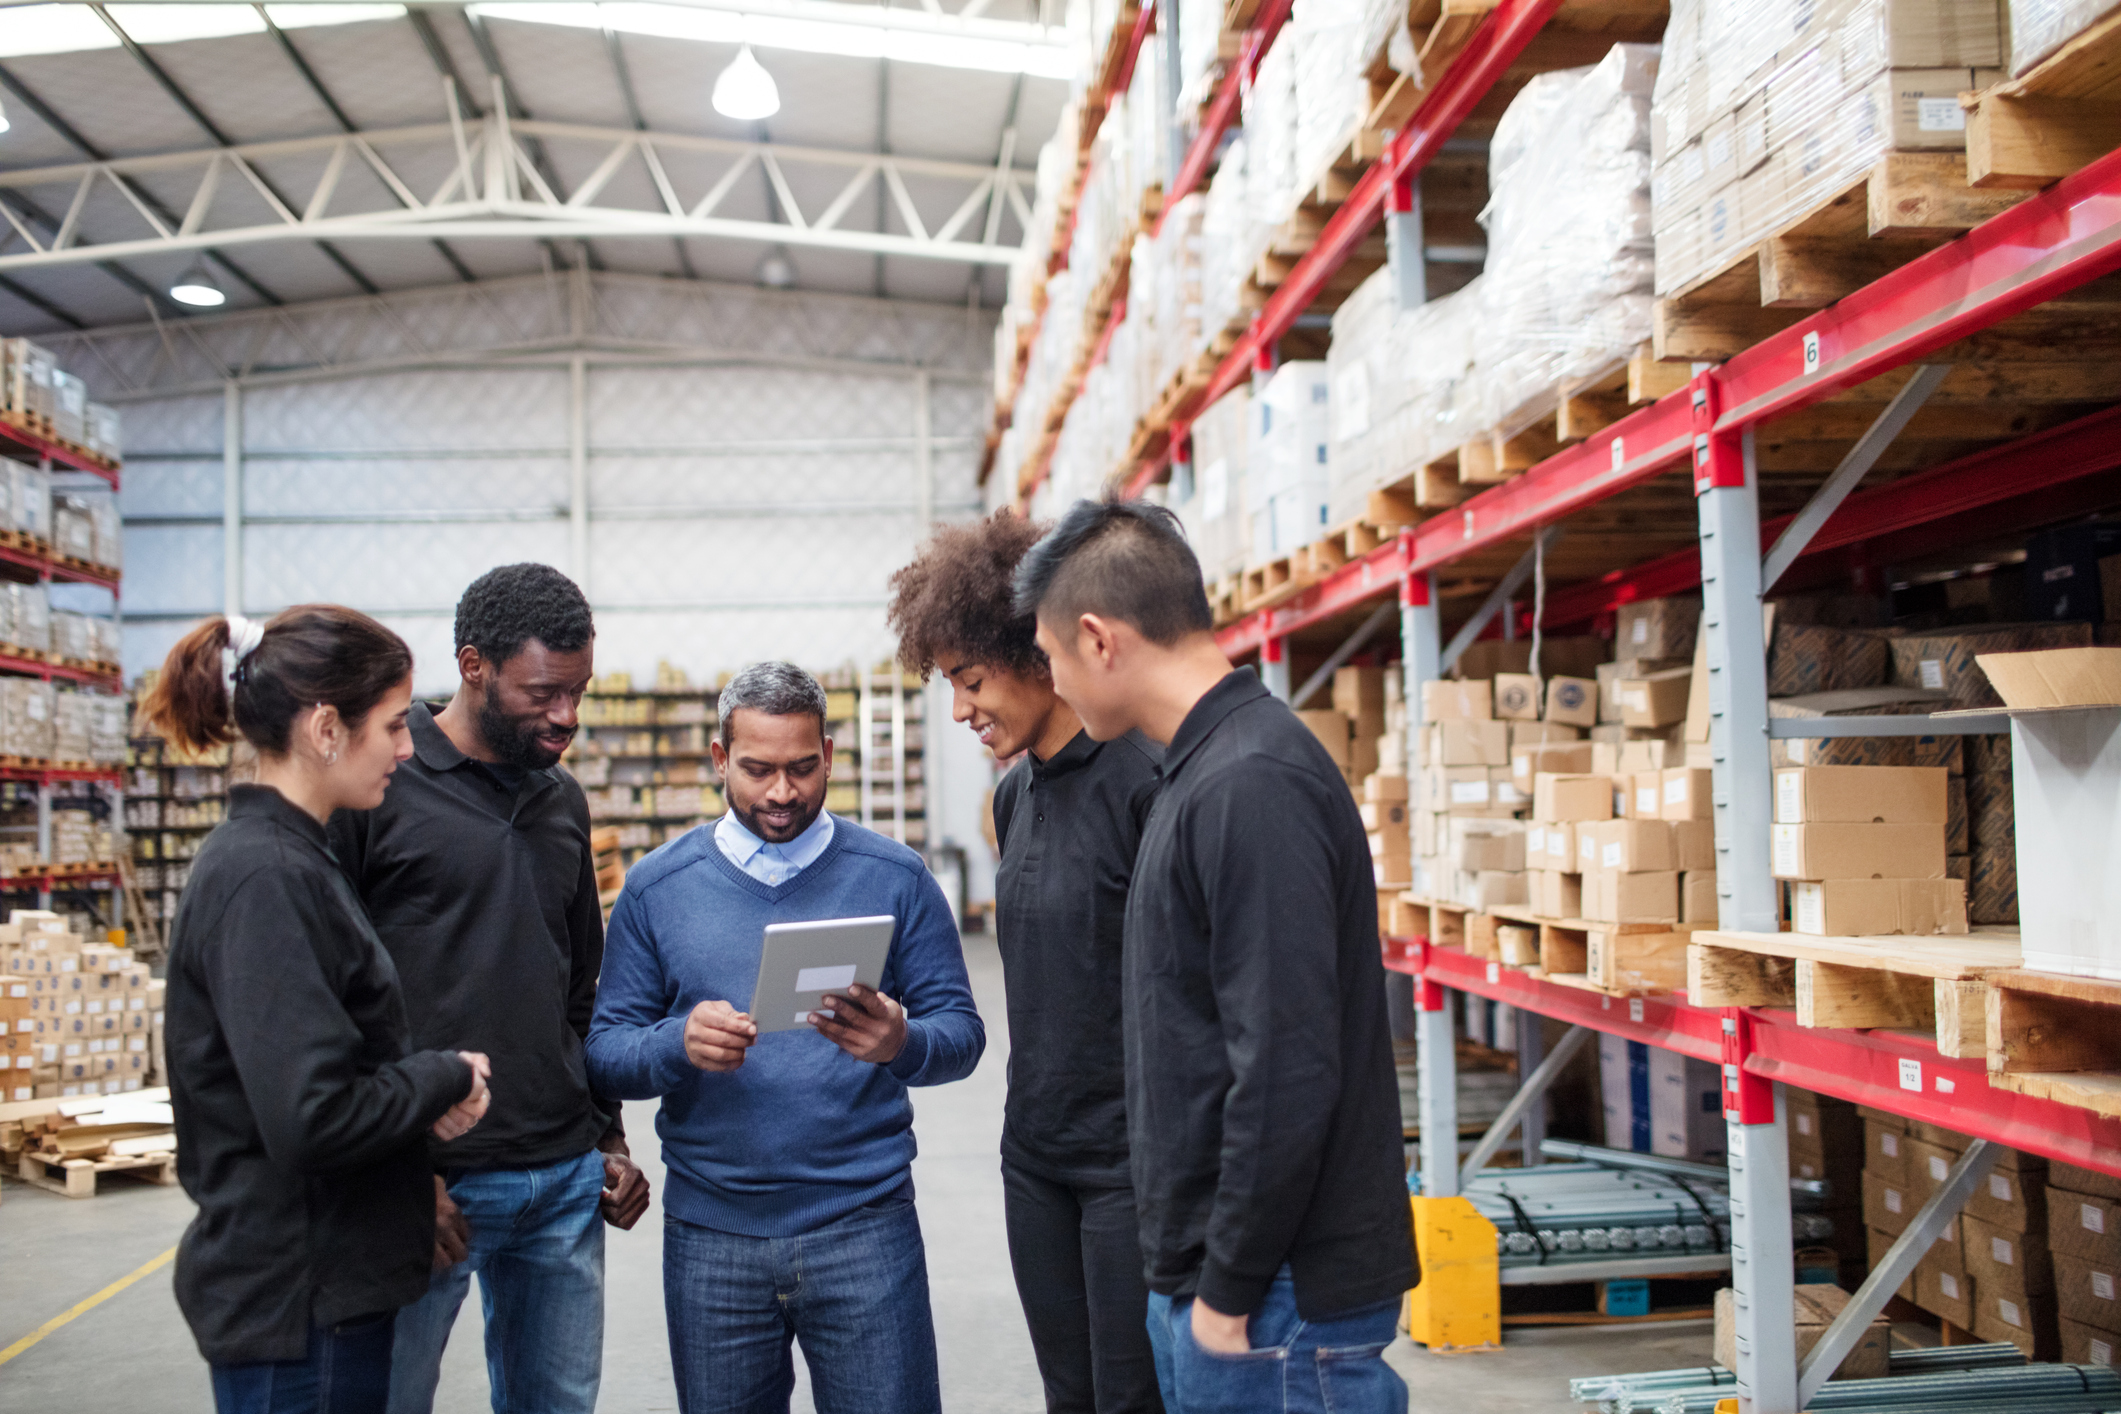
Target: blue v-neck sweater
(802,1133)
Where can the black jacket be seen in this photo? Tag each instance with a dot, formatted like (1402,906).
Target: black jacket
(1260,1091)
(1068,828)
(487,901)
(300,1108)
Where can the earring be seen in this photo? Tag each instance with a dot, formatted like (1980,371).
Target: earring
(333,759)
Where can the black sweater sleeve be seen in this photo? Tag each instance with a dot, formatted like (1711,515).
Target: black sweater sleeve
(281,960)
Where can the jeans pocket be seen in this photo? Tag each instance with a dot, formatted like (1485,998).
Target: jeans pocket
(1354,1379)
(1211,1382)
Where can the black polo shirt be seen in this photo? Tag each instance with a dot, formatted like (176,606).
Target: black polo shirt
(486,898)
(1260,1092)
(1068,828)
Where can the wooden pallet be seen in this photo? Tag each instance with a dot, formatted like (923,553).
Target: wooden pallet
(2030,132)
(1908,204)
(1224,598)
(2055,1036)
(76,1178)
(1932,984)
(1619,959)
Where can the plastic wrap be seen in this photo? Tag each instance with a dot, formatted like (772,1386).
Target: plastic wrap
(1288,462)
(2039,27)
(1270,139)
(1200,26)
(1767,109)
(1221,446)
(1569,268)
(1367,385)
(1326,38)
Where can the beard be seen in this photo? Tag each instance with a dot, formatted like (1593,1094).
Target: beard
(752,822)
(515,739)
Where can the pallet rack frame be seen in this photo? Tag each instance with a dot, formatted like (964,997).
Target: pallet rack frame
(2045,246)
(15,442)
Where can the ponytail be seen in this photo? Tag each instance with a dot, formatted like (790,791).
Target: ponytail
(308,656)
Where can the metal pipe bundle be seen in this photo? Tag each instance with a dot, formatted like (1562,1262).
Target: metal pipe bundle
(2026,1389)
(1590,1212)
(1929,1360)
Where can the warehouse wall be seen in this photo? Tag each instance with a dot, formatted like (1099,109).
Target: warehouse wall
(716,510)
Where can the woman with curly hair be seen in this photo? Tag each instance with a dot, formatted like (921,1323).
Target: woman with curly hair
(1067,818)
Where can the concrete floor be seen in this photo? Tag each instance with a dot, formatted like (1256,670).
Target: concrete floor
(134,1350)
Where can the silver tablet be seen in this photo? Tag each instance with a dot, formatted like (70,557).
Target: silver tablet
(803,961)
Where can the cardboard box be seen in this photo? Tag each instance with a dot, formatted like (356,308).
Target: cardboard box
(1476,851)
(2060,677)
(1496,888)
(1837,851)
(2012,1201)
(1555,894)
(1551,845)
(1885,1152)
(1945,660)
(1697,897)
(1657,628)
(1530,734)
(1563,758)
(1807,658)
(1822,1125)
(1693,844)
(1639,755)
(1626,847)
(2005,1261)
(1450,699)
(1942,751)
(1517,697)
(2027,1322)
(1458,787)
(1917,110)
(1888,1207)
(1359,693)
(1886,795)
(1686,793)
(1946,1294)
(2089,1182)
(1571,798)
(1390,814)
(2086,1226)
(2088,1292)
(1384,786)
(1863,908)
(1992,888)
(1468,742)
(1647,790)
(1572,701)
(1816,1307)
(1333,733)
(1610,897)
(2086,1345)
(1655,700)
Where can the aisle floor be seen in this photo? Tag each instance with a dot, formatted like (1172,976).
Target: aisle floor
(133,1350)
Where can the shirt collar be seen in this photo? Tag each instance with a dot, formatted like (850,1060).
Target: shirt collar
(266,803)
(438,753)
(1238,687)
(1080,751)
(741,845)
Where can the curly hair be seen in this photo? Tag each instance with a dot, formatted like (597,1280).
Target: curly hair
(955,598)
(505,607)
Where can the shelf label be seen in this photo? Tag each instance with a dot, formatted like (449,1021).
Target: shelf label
(1494,972)
(1945,1086)
(1911,1075)
(1635,1009)
(1811,352)
(1620,454)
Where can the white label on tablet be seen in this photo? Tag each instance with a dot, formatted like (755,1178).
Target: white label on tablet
(824,979)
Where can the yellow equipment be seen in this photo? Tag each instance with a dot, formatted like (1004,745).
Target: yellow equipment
(1458,1305)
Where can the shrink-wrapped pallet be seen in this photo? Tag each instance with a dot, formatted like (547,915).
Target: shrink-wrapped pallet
(29,616)
(29,500)
(109,717)
(73,636)
(1271,175)
(1767,109)
(26,718)
(2039,27)
(1569,268)
(1365,379)
(1214,512)
(72,726)
(1332,97)
(106,431)
(1289,466)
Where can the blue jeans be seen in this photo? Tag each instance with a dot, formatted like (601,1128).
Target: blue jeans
(347,1371)
(1294,1365)
(855,1292)
(537,1244)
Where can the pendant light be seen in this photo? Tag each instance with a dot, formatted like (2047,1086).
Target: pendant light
(745,91)
(198,288)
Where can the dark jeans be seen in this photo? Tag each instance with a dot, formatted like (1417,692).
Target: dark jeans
(1334,1366)
(1078,1261)
(347,1371)
(854,1292)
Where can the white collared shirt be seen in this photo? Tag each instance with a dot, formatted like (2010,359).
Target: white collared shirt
(772,864)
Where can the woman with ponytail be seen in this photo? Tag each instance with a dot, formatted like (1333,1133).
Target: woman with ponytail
(301,1113)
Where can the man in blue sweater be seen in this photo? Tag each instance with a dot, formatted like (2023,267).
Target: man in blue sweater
(789,1213)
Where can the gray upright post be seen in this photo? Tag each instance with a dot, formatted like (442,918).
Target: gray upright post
(1435,1040)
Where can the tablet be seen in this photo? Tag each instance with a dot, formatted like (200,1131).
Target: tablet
(803,961)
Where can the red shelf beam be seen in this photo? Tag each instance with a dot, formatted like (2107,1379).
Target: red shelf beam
(1223,110)
(1887,1070)
(39,775)
(48,883)
(1495,45)
(13,437)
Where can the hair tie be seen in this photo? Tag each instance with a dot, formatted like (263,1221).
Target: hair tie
(244,636)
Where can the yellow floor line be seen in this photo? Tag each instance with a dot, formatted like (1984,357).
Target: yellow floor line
(86,1305)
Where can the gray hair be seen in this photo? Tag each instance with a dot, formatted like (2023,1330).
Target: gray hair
(777,689)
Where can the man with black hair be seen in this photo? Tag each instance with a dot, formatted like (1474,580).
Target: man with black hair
(1261,1100)
(478,874)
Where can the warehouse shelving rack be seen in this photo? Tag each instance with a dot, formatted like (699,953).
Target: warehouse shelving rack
(2054,242)
(592,744)
(18,443)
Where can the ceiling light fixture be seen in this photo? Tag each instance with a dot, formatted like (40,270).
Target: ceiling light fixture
(745,91)
(776,271)
(198,288)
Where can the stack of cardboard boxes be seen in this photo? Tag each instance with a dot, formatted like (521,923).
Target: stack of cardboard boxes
(1992,1271)
(1365,732)
(2084,1238)
(1864,849)
(81,1018)
(1826,1143)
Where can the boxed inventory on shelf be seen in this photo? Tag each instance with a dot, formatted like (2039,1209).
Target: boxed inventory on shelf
(41,395)
(76,1017)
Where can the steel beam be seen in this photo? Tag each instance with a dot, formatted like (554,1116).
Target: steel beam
(1530,1090)
(1896,1266)
(1498,599)
(1815,728)
(1763,1271)
(1738,720)
(1353,644)
(1405,250)
(1854,467)
(232,498)
(1274,667)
